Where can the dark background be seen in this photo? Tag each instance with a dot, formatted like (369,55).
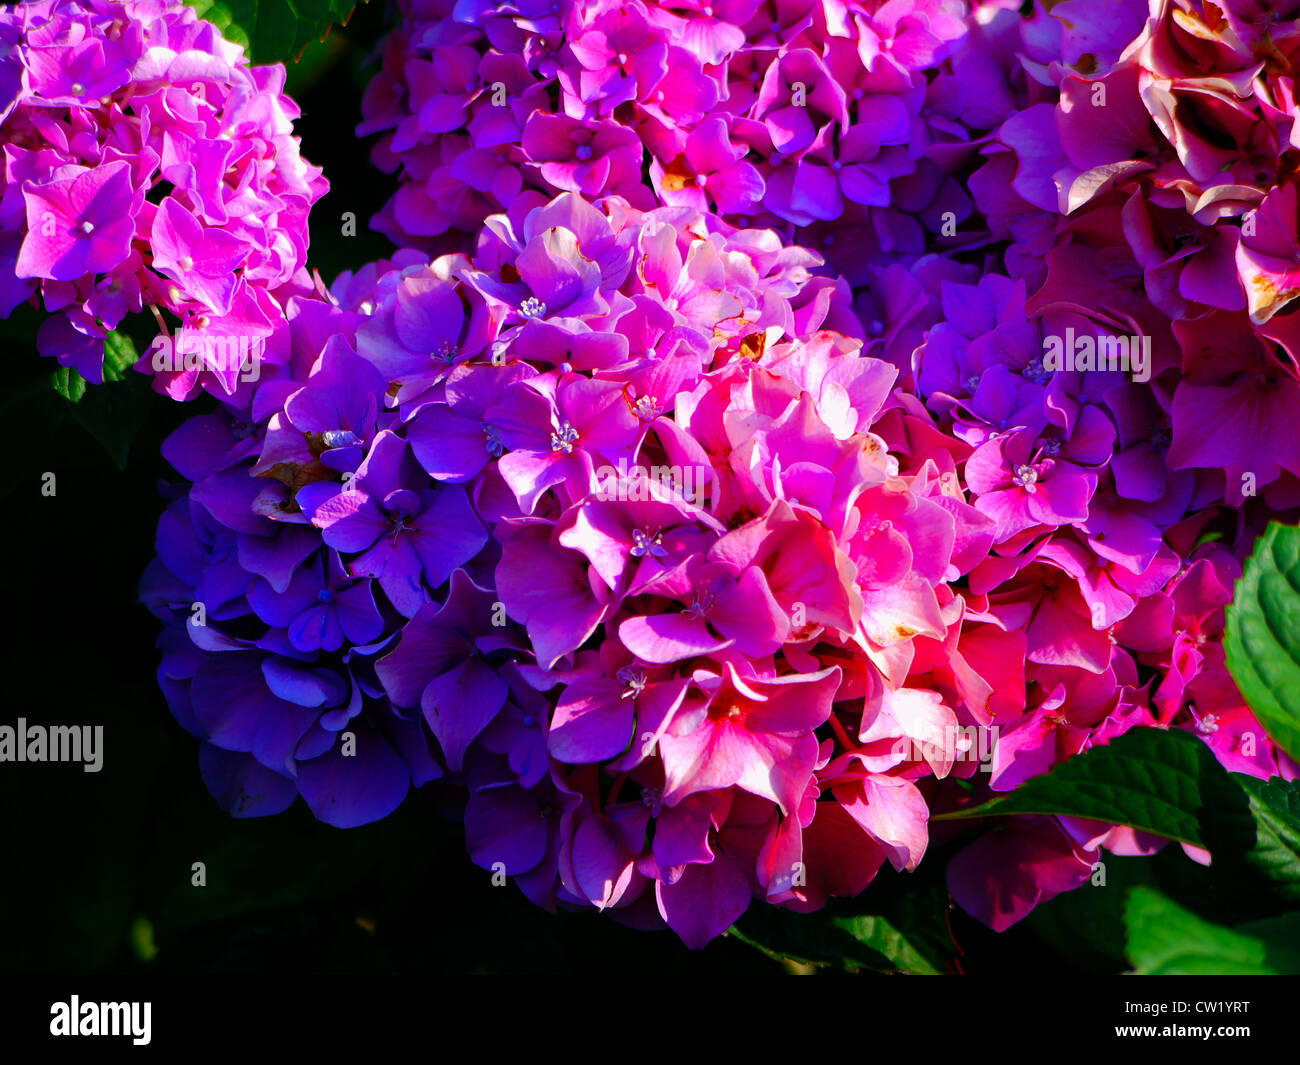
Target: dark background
(95,868)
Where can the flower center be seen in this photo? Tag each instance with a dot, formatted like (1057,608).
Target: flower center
(532,307)
(332,438)
(701,606)
(88,227)
(647,408)
(634,680)
(1036,372)
(492,440)
(645,543)
(563,438)
(1027,478)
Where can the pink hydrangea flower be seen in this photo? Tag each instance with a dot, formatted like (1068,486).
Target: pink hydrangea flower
(147,165)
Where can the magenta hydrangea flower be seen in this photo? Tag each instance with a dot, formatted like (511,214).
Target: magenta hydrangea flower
(147,165)
(80,224)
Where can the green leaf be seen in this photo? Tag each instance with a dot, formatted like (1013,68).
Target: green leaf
(1275,805)
(844,941)
(119,356)
(896,925)
(880,935)
(68,383)
(1166,940)
(318,59)
(219,14)
(1263,636)
(1166,782)
(274,31)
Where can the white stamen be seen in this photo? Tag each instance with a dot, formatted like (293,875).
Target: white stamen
(1027,478)
(564,438)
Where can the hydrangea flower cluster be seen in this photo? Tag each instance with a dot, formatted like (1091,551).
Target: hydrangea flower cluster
(711,476)
(146,164)
(776,114)
(610,523)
